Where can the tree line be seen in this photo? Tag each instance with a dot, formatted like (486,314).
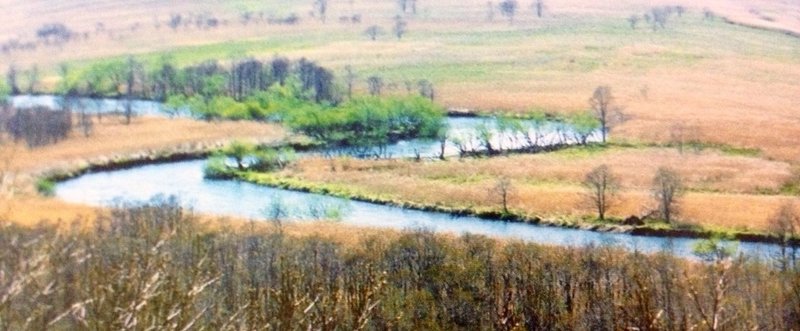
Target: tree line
(152,265)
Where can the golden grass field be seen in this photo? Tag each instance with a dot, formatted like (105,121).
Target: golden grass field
(723,83)
(723,190)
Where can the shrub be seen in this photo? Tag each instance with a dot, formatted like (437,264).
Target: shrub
(46,187)
(216,168)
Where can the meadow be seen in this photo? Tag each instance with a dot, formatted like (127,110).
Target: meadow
(700,78)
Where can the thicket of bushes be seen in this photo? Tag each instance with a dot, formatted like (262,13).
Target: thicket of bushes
(240,156)
(151,266)
(36,126)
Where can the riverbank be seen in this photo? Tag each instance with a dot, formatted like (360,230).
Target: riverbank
(637,227)
(486,212)
(112,145)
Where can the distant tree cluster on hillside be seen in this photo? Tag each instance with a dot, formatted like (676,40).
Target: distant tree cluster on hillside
(657,17)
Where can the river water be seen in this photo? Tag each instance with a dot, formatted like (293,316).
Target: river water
(233,198)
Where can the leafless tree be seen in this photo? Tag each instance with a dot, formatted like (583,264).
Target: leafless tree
(426,89)
(400,27)
(373,32)
(508,8)
(680,10)
(407,5)
(667,187)
(539,7)
(11,79)
(785,225)
(349,79)
(33,79)
(708,14)
(601,189)
(633,20)
(134,71)
(605,110)
(489,11)
(681,134)
(321,9)
(375,85)
(502,191)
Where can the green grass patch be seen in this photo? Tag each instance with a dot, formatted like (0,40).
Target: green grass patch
(46,187)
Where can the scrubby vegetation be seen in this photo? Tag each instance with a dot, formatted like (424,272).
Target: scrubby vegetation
(241,156)
(37,126)
(154,265)
(301,94)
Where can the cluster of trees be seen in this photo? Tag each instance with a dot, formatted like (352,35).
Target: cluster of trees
(151,266)
(366,126)
(657,17)
(602,187)
(35,126)
(535,132)
(509,9)
(399,29)
(130,78)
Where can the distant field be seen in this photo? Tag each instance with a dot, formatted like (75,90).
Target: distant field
(727,83)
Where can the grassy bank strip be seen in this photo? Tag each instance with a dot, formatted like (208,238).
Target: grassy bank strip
(653,230)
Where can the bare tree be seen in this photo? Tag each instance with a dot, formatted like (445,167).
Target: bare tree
(400,27)
(605,110)
(601,189)
(321,8)
(404,5)
(708,14)
(375,85)
(373,32)
(133,71)
(710,293)
(426,89)
(33,79)
(502,191)
(633,20)
(667,187)
(508,8)
(680,10)
(785,225)
(280,69)
(539,8)
(490,11)
(349,79)
(11,79)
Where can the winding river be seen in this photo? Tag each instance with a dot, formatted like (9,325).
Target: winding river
(233,198)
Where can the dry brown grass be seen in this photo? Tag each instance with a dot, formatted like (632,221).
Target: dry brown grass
(111,137)
(731,85)
(30,211)
(549,184)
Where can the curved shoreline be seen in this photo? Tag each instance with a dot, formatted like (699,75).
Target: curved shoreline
(199,151)
(643,231)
